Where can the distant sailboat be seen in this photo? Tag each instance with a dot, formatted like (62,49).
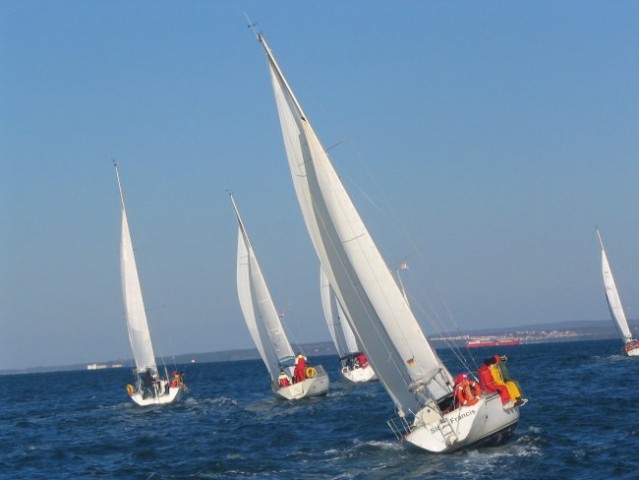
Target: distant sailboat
(353,363)
(415,378)
(149,388)
(289,379)
(631,345)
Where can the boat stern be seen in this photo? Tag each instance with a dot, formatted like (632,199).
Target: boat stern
(359,375)
(310,387)
(631,348)
(172,395)
(488,421)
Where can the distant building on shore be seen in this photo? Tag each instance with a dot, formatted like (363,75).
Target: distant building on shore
(102,366)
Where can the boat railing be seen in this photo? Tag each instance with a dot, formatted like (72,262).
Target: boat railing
(400,426)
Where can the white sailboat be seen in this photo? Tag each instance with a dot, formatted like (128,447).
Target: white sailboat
(419,384)
(631,345)
(149,387)
(353,363)
(290,379)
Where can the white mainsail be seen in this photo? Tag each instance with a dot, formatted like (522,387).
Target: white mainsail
(612,295)
(341,332)
(257,305)
(138,327)
(383,322)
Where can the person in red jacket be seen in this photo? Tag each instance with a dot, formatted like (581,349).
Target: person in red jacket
(300,368)
(283,379)
(487,382)
(361,360)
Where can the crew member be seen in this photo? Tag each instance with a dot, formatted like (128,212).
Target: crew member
(300,368)
(487,382)
(283,379)
(361,359)
(467,391)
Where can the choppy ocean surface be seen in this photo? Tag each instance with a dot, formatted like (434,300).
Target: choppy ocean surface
(581,422)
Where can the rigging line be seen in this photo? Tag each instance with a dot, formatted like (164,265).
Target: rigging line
(435,321)
(174,363)
(397,323)
(376,328)
(251,24)
(439,326)
(452,318)
(402,371)
(384,338)
(396,320)
(166,372)
(170,342)
(434,315)
(450,315)
(395,220)
(399,277)
(336,144)
(293,329)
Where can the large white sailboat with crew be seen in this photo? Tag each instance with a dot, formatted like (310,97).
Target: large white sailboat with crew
(432,412)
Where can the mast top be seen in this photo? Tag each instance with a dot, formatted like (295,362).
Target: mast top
(599,237)
(117,176)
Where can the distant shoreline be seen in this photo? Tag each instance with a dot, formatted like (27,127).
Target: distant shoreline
(531,334)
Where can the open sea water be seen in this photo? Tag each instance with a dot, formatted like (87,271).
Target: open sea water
(581,422)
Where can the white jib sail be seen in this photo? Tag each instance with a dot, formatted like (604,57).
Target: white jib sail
(382,321)
(138,327)
(612,295)
(341,332)
(257,306)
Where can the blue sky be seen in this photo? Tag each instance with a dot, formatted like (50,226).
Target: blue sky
(482,141)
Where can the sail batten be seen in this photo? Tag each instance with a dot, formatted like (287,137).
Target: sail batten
(374,305)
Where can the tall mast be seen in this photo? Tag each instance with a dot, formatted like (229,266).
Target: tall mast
(117,175)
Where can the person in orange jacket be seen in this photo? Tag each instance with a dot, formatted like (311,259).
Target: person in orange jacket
(467,392)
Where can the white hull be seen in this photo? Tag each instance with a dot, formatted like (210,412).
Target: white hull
(310,387)
(485,421)
(632,352)
(359,375)
(174,394)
